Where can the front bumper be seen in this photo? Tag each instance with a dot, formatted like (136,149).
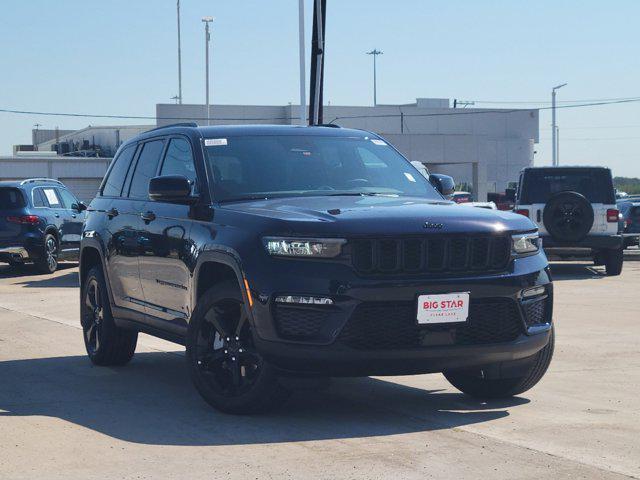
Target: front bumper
(327,352)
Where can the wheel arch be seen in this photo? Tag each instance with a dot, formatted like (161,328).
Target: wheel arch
(214,268)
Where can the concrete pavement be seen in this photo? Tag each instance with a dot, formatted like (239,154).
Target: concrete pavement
(60,417)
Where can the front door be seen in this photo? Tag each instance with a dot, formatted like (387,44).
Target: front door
(164,266)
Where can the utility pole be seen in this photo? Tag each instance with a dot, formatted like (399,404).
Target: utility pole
(179,57)
(375,53)
(207,38)
(317,62)
(176,98)
(35,136)
(554,127)
(303,80)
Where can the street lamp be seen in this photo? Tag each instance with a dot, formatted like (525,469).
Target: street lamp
(554,127)
(207,38)
(375,53)
(35,136)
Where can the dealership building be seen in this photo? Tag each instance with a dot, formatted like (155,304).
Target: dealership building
(485,148)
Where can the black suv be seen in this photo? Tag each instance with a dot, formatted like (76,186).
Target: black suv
(274,251)
(40,222)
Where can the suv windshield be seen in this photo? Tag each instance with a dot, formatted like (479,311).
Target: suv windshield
(594,183)
(263,166)
(11,198)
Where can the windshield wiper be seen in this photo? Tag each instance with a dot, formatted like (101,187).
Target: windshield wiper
(362,194)
(240,199)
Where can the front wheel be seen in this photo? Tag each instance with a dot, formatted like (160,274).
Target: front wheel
(223,362)
(475,384)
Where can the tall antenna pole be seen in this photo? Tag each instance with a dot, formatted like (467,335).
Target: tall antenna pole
(375,53)
(179,58)
(303,80)
(554,127)
(207,38)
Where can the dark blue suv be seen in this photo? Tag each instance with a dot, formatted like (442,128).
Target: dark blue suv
(272,251)
(40,222)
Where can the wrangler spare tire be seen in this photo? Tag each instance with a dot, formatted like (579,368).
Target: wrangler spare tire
(568,216)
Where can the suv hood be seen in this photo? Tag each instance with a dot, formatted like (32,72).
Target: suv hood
(375,215)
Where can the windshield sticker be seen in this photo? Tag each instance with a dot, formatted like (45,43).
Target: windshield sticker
(409,177)
(215,142)
(377,141)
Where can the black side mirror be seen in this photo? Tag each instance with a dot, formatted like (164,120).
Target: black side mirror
(170,188)
(79,207)
(443,183)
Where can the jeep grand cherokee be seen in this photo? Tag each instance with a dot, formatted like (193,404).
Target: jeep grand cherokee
(274,251)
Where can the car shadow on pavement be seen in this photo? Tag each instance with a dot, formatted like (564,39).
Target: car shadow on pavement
(152,401)
(68,280)
(576,271)
(28,270)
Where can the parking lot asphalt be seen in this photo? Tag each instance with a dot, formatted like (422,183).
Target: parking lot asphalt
(61,417)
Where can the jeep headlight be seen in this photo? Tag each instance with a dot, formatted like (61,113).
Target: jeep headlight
(304,247)
(525,243)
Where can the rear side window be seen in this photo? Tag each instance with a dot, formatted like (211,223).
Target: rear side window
(145,168)
(38,198)
(115,180)
(595,184)
(11,198)
(52,197)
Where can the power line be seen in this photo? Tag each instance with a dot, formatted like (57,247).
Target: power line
(346,117)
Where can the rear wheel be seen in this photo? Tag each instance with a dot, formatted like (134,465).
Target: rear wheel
(613,262)
(476,384)
(106,343)
(48,262)
(223,362)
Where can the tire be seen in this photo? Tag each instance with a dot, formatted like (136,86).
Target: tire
(226,369)
(48,262)
(613,261)
(474,384)
(568,216)
(105,342)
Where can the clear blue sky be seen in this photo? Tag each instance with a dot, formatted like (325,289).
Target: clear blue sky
(119,57)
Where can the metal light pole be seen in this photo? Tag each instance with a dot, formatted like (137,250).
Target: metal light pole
(35,136)
(375,53)
(303,93)
(554,127)
(207,38)
(179,57)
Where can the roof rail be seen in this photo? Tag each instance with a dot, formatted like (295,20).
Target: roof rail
(183,124)
(44,180)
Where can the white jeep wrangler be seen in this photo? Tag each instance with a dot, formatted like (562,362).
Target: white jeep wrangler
(575,211)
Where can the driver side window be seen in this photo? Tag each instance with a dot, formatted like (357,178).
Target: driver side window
(179,160)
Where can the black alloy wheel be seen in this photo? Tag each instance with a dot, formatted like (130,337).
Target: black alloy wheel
(225,366)
(49,261)
(93,316)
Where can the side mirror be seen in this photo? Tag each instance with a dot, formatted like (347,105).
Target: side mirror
(443,183)
(170,188)
(79,207)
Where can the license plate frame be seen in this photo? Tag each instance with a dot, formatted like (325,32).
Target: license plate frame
(442,308)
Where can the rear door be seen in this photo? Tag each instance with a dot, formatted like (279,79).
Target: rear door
(57,215)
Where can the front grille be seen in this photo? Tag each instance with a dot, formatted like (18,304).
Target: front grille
(435,254)
(388,326)
(535,311)
(299,322)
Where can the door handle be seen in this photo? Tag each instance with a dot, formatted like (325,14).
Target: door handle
(57,215)
(112,213)
(73,215)
(148,217)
